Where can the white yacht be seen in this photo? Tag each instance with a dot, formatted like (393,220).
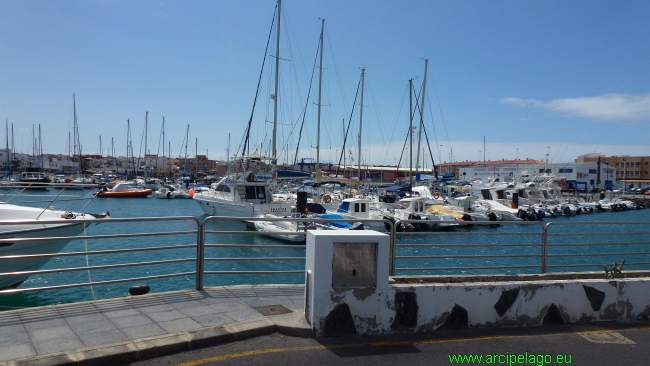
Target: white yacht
(68,226)
(245,193)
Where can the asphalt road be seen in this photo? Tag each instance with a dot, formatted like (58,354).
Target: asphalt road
(577,345)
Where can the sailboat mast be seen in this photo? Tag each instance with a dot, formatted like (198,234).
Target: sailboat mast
(7,135)
(424,87)
(363,71)
(410,134)
(13,145)
(187,137)
(129,146)
(163,141)
(113,154)
(74,132)
(146,125)
(40,147)
(277,68)
(320,87)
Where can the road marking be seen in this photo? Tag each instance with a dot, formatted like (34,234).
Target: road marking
(598,336)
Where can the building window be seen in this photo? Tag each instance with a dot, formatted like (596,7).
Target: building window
(566,170)
(592,171)
(637,173)
(638,164)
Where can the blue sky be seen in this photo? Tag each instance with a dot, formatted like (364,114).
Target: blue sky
(562,78)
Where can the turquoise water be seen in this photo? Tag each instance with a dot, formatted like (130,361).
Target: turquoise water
(153,207)
(579,243)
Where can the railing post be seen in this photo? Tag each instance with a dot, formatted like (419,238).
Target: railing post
(544,246)
(393,248)
(200,254)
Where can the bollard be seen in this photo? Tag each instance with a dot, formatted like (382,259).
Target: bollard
(140,289)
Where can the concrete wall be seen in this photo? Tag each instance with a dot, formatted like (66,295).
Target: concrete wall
(393,308)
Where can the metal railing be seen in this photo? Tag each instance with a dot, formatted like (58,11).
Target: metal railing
(11,240)
(471,248)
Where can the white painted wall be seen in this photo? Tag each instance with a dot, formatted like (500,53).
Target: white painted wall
(373,308)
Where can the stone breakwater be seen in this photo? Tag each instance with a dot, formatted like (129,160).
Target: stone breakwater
(640,202)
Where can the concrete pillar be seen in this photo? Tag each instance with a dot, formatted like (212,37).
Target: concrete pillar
(343,266)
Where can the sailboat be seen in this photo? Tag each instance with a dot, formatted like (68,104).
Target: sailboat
(78,181)
(246,190)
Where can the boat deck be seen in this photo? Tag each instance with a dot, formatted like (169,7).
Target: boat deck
(123,330)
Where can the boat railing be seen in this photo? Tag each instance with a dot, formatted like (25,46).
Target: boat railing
(209,250)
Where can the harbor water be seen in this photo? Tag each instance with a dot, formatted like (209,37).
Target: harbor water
(473,257)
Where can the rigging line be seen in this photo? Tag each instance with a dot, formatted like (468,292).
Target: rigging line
(401,155)
(290,49)
(411,116)
(442,117)
(289,27)
(377,113)
(245,138)
(336,72)
(295,158)
(426,137)
(400,110)
(140,151)
(392,133)
(345,137)
(435,134)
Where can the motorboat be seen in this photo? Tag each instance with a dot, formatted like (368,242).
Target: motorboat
(245,193)
(33,180)
(14,225)
(361,208)
(122,190)
(281,229)
(414,208)
(169,192)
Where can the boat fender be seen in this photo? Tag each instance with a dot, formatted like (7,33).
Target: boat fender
(436,194)
(168,194)
(140,289)
(191,192)
(492,216)
(467,217)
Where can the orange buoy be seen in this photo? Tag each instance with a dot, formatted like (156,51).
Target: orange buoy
(191,192)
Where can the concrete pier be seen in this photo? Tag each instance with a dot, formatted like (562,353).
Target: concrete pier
(124,330)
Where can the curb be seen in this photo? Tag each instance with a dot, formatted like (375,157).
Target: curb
(163,345)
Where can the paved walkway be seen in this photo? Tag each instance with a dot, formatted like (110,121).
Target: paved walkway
(122,330)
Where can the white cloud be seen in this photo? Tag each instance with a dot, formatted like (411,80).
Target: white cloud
(606,107)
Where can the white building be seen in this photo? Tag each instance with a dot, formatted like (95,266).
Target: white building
(581,176)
